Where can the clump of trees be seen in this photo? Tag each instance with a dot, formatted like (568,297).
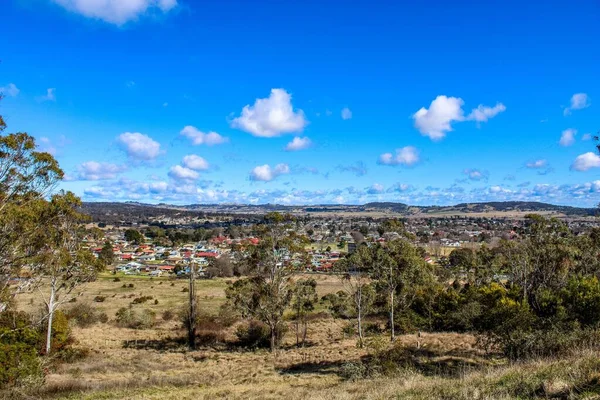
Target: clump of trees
(40,250)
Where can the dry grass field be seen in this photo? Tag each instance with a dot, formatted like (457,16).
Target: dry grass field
(155,363)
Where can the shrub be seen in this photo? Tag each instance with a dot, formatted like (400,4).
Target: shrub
(85,315)
(353,371)
(210,330)
(129,318)
(19,364)
(253,334)
(142,299)
(168,315)
(19,346)
(117,280)
(61,332)
(99,299)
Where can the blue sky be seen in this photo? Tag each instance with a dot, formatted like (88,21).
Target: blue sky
(183,101)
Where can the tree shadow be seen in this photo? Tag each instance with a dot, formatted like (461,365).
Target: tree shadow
(313,367)
(427,361)
(173,344)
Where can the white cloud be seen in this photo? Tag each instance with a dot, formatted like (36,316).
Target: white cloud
(299,143)
(10,90)
(404,156)
(178,172)
(198,137)
(139,146)
(271,117)
(483,113)
(376,188)
(586,161)
(586,136)
(116,12)
(537,164)
(401,188)
(195,162)
(475,174)
(346,113)
(578,102)
(567,138)
(96,171)
(436,121)
(50,95)
(265,173)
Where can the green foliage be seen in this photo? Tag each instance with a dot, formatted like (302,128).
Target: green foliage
(130,318)
(107,255)
(255,334)
(19,365)
(61,332)
(338,304)
(19,348)
(134,236)
(85,315)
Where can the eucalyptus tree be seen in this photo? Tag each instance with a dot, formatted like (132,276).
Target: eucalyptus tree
(26,177)
(62,264)
(267,292)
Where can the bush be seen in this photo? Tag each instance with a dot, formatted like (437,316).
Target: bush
(117,280)
(209,330)
(253,334)
(19,347)
(19,364)
(168,315)
(61,332)
(129,318)
(99,299)
(142,299)
(85,315)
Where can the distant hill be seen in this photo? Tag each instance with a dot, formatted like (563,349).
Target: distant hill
(140,212)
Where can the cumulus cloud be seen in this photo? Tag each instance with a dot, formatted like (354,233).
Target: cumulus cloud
(49,96)
(567,138)
(178,172)
(116,12)
(437,120)
(408,156)
(346,113)
(10,90)
(376,188)
(265,173)
(476,174)
(272,116)
(97,171)
(298,143)
(198,137)
(139,146)
(195,162)
(578,102)
(586,161)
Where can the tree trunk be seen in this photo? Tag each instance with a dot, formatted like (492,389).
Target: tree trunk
(393,332)
(273,339)
(359,319)
(304,333)
(192,311)
(50,317)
